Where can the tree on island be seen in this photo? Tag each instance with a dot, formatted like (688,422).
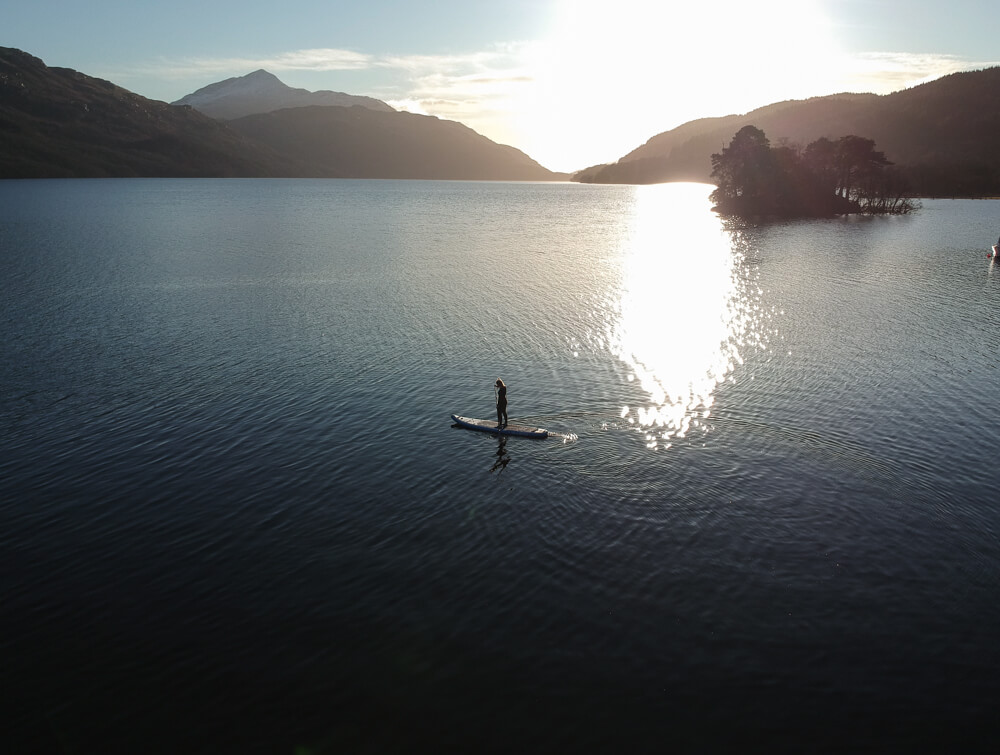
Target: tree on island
(828,178)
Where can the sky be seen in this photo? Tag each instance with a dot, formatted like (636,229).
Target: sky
(573,83)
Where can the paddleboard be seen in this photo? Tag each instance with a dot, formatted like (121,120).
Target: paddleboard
(490,426)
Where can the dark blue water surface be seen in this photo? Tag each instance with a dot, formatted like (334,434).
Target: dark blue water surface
(235,517)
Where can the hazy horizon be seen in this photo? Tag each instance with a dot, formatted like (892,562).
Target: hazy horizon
(572,84)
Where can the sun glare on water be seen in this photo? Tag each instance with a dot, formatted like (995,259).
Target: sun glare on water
(683,313)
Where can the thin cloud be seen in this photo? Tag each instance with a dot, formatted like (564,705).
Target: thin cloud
(477,88)
(884,72)
(503,80)
(422,63)
(475,100)
(316,59)
(408,105)
(498,56)
(322,59)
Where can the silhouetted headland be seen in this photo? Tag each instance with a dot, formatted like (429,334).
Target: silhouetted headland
(755,180)
(941,136)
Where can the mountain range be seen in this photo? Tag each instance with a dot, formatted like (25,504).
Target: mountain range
(943,136)
(263,92)
(57,122)
(358,142)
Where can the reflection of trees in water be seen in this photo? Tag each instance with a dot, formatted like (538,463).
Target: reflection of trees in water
(503,458)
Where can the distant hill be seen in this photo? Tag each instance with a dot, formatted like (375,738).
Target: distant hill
(263,92)
(358,142)
(56,122)
(944,134)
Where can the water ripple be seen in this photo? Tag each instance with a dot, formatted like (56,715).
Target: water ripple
(229,479)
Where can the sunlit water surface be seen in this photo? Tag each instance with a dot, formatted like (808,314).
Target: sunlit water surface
(234,514)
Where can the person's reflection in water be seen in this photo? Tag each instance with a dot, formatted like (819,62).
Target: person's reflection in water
(503,458)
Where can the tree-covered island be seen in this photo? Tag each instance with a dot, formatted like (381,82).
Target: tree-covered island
(826,178)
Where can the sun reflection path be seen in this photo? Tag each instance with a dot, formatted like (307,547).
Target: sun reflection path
(685,312)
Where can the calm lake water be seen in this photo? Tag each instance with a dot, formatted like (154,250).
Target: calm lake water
(235,516)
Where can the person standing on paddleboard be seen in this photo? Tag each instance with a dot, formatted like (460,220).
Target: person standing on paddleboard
(501,390)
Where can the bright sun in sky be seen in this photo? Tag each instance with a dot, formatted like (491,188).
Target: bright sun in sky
(610,69)
(571,82)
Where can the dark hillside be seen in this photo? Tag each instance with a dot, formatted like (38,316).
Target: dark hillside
(942,134)
(56,122)
(358,142)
